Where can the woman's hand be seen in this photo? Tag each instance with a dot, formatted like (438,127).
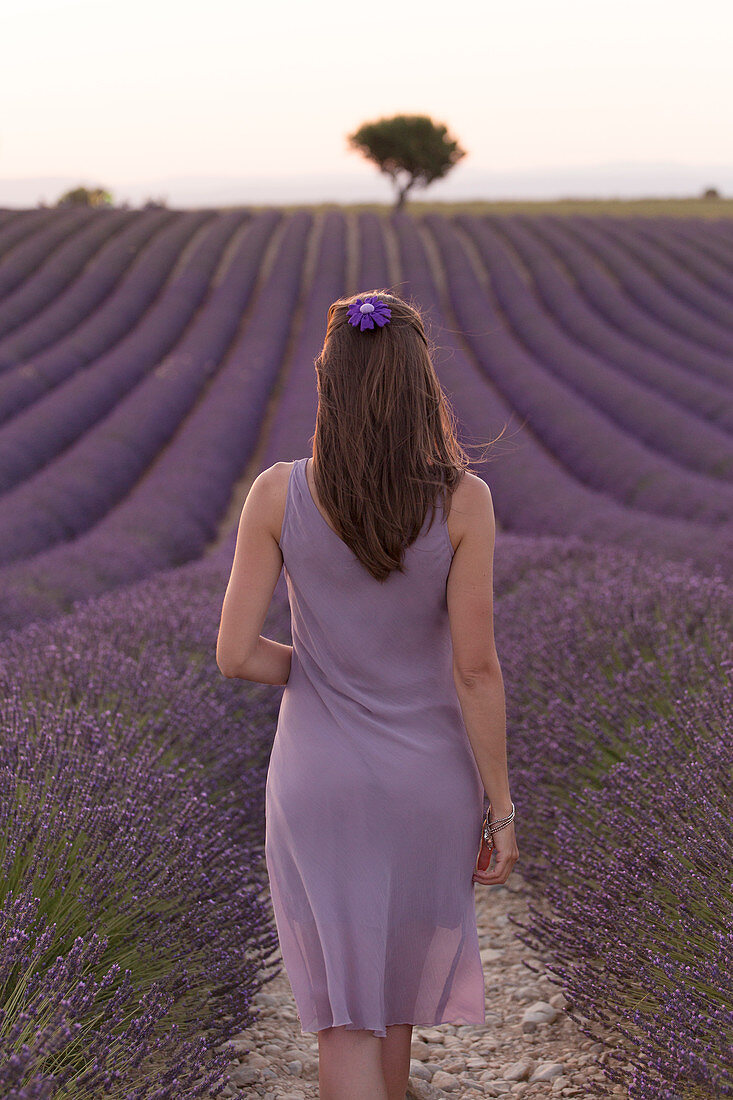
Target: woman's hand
(505,853)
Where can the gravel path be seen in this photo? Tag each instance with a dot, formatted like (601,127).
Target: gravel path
(529,1047)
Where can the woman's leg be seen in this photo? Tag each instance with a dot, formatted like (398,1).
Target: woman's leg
(396,1059)
(350,1065)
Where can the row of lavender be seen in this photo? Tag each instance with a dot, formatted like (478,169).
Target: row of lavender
(534,492)
(570,396)
(45,338)
(173,504)
(687,293)
(29,236)
(135,932)
(623,761)
(589,306)
(182,337)
(664,423)
(148,478)
(657,319)
(632,397)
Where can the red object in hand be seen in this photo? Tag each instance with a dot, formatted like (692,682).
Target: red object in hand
(483,858)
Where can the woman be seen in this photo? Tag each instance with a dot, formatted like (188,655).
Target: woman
(392,722)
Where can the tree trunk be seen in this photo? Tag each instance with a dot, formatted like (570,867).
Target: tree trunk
(402,195)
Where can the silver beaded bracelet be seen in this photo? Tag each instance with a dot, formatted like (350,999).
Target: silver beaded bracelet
(491,827)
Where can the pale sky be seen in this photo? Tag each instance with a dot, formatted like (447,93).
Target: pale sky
(120,92)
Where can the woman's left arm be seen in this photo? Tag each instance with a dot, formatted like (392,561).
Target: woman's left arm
(241,651)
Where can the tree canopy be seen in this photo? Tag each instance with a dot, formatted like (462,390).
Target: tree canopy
(411,149)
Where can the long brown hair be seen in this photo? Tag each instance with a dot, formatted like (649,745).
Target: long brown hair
(385,445)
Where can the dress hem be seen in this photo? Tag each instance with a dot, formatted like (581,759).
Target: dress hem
(381,1029)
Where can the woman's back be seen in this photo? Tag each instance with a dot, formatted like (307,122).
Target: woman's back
(378,642)
(373,797)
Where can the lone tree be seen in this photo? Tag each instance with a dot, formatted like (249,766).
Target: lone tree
(85,196)
(414,145)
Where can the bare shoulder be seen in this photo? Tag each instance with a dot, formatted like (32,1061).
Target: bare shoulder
(471,508)
(472,491)
(272,481)
(278,475)
(267,495)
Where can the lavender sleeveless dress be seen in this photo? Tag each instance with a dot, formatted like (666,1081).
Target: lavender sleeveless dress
(373,799)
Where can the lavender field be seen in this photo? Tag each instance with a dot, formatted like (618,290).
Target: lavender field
(151,363)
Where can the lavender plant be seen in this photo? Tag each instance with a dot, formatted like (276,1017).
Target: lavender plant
(622,759)
(660,422)
(602,455)
(135,933)
(57,356)
(55,421)
(61,268)
(675,296)
(90,477)
(593,265)
(564,298)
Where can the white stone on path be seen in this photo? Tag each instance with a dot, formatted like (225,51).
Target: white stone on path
(423,1090)
(448,1082)
(419,1069)
(419,1051)
(540,1012)
(517,1071)
(547,1070)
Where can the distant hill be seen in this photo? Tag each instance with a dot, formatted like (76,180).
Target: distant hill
(618,180)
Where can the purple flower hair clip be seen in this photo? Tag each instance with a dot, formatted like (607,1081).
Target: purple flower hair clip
(369,312)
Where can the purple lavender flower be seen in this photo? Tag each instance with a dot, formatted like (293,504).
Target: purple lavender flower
(368,312)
